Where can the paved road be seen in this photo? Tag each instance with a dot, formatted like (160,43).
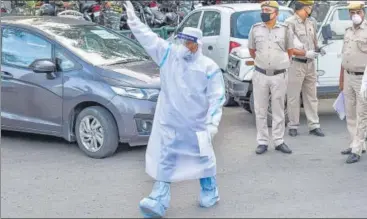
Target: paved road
(47,177)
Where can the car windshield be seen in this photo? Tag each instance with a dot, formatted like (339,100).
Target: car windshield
(96,44)
(241,22)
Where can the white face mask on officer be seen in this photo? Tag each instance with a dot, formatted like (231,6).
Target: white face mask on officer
(356,19)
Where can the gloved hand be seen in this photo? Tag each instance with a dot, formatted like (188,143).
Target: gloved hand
(130,11)
(311,54)
(364,91)
(213,130)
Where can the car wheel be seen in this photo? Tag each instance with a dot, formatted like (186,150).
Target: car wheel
(96,132)
(270,116)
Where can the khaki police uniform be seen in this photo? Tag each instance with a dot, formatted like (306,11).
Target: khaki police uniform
(354,61)
(270,76)
(302,75)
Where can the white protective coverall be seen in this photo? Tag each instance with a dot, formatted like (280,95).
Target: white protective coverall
(187,116)
(188,108)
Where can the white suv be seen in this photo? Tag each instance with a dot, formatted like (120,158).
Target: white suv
(225,27)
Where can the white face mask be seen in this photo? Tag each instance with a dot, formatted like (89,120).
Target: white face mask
(356,19)
(186,54)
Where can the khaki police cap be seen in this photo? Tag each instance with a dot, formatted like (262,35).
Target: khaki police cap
(306,2)
(355,5)
(273,4)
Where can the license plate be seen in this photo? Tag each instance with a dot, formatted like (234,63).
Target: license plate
(96,14)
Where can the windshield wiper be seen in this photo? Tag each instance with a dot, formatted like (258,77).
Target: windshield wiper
(124,61)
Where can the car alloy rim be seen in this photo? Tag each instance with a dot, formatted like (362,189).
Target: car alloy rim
(91,133)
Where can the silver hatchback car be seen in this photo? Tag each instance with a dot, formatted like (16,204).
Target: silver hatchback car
(76,80)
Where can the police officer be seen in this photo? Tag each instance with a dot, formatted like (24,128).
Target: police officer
(354,61)
(302,72)
(270,45)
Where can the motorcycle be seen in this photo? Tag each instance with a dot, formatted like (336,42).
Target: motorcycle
(139,11)
(91,12)
(156,18)
(110,16)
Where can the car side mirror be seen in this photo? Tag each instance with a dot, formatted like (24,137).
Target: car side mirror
(43,66)
(326,33)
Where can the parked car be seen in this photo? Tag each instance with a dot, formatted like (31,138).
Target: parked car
(226,27)
(329,15)
(76,80)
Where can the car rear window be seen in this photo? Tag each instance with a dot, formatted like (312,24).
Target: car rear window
(241,22)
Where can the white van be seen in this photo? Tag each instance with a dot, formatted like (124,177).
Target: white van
(329,15)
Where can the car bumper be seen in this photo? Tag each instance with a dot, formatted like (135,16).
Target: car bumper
(327,92)
(235,87)
(134,119)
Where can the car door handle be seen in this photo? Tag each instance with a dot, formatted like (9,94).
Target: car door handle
(5,74)
(210,47)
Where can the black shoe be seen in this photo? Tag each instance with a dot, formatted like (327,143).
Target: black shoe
(353,158)
(346,151)
(363,151)
(283,148)
(292,132)
(317,132)
(261,149)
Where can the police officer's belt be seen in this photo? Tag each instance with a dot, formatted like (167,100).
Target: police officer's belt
(302,60)
(270,72)
(355,73)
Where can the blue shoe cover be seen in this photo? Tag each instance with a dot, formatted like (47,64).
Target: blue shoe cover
(156,204)
(209,194)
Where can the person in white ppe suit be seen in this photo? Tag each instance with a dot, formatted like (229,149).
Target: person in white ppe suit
(187,115)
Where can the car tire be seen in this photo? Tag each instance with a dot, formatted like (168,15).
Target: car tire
(101,123)
(270,118)
(229,101)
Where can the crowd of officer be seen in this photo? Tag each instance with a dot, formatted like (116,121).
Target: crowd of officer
(285,54)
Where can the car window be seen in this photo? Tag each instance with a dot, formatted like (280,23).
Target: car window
(210,24)
(241,22)
(192,21)
(339,21)
(63,62)
(96,44)
(21,48)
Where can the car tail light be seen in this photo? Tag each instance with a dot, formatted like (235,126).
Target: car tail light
(3,10)
(96,8)
(249,63)
(233,45)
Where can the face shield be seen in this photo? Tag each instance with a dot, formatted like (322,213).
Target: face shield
(188,41)
(189,46)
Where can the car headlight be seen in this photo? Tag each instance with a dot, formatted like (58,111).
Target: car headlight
(137,93)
